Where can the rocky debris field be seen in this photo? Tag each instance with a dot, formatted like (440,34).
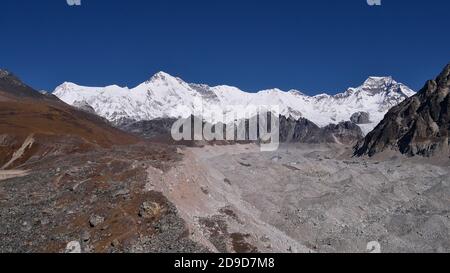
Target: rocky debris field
(230,198)
(306,198)
(95,200)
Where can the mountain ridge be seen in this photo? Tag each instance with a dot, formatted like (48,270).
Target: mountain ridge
(420,125)
(34,126)
(166,96)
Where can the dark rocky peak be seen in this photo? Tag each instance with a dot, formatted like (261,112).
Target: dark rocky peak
(444,78)
(418,126)
(12,85)
(7,77)
(360,118)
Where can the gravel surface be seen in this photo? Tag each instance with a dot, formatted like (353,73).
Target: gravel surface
(307,198)
(231,198)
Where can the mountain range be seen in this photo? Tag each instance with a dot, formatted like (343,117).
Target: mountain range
(69,177)
(166,96)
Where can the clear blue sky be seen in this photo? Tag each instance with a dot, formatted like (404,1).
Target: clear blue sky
(315,45)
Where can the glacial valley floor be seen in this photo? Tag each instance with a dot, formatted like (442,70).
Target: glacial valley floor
(231,198)
(311,199)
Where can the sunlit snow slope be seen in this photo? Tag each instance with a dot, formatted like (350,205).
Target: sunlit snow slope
(166,96)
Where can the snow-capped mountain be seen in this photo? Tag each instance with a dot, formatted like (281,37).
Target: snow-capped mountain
(165,96)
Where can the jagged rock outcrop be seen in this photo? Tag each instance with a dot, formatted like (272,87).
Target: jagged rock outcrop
(360,118)
(342,133)
(301,130)
(418,126)
(304,131)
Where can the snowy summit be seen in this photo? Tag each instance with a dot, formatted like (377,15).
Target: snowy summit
(165,96)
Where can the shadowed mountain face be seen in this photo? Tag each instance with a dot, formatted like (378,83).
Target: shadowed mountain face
(418,126)
(11,87)
(305,131)
(34,125)
(291,130)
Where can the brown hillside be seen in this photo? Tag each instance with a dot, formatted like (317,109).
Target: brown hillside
(33,125)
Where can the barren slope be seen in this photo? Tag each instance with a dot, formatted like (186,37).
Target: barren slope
(33,125)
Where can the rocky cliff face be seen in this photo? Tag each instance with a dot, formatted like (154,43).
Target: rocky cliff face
(418,126)
(305,131)
(360,118)
(301,130)
(342,133)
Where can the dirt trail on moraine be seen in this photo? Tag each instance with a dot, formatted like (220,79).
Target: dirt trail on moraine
(11,173)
